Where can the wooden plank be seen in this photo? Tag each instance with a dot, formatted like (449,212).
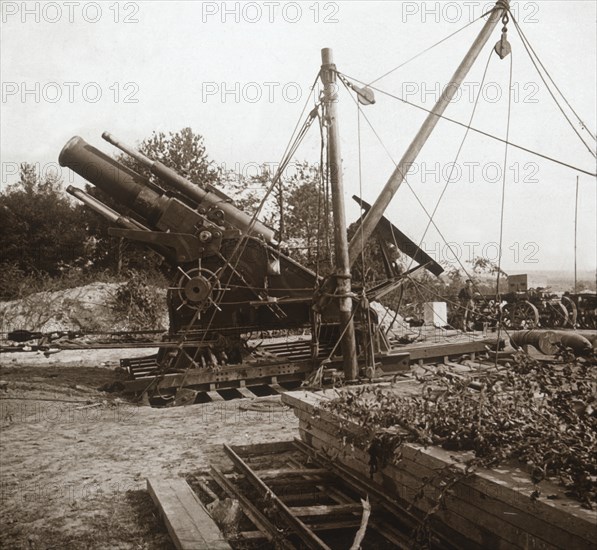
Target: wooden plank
(475,536)
(513,486)
(408,476)
(309,538)
(495,492)
(313,497)
(391,503)
(518,524)
(204,377)
(214,396)
(435,351)
(291,472)
(246,392)
(262,449)
(249,536)
(326,510)
(189,524)
(335,525)
(260,521)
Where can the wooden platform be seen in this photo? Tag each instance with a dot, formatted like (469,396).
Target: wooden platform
(189,524)
(491,508)
(294,368)
(291,497)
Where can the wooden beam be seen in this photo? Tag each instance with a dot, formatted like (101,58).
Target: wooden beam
(309,538)
(341,257)
(189,524)
(246,392)
(327,510)
(269,530)
(204,378)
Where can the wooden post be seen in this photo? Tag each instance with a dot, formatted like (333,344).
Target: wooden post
(371,219)
(343,282)
(575,233)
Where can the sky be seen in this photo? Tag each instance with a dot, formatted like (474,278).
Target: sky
(239,74)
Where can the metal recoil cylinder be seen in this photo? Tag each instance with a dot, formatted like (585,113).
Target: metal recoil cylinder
(234,216)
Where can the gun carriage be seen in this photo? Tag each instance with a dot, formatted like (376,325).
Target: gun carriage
(534,308)
(229,277)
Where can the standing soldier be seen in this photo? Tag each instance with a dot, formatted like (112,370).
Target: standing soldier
(467,302)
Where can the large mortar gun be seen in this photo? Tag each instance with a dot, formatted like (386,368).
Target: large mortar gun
(229,277)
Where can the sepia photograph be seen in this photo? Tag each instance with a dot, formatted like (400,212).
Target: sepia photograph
(298,274)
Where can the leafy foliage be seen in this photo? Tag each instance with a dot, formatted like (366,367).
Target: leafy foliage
(297,207)
(183,151)
(140,301)
(541,414)
(41,231)
(308,223)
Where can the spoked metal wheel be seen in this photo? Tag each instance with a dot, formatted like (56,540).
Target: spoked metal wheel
(589,319)
(572,310)
(520,315)
(554,315)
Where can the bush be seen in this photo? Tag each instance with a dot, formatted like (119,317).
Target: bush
(140,301)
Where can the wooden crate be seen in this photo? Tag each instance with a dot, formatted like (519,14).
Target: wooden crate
(490,508)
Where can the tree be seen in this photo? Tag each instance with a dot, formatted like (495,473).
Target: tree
(297,207)
(41,230)
(308,217)
(184,152)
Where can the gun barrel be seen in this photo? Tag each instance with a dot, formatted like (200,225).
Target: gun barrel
(233,215)
(120,182)
(96,205)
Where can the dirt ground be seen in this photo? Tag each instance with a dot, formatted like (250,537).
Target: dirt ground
(73,459)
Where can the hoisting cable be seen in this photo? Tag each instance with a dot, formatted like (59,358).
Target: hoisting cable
(428,48)
(240,247)
(503,201)
(523,40)
(294,141)
(431,221)
(449,178)
(370,351)
(322,201)
(476,130)
(529,48)
(348,86)
(415,194)
(293,144)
